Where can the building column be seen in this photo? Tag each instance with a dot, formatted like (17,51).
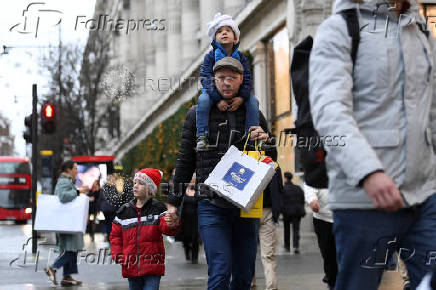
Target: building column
(174,38)
(260,77)
(208,9)
(138,36)
(148,86)
(313,14)
(160,40)
(190,29)
(231,7)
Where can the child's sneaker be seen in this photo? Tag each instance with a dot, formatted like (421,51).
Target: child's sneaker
(202,143)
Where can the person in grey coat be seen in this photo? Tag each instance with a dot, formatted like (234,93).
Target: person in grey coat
(382,182)
(69,244)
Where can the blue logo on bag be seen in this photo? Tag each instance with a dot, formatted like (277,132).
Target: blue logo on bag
(238,176)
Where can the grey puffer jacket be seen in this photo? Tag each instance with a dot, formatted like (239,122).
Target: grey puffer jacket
(386,109)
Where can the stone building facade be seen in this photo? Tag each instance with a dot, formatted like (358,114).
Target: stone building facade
(166,62)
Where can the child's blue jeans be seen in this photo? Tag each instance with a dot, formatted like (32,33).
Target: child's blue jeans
(204,105)
(144,283)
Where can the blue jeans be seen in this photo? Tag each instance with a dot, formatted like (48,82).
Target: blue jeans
(68,261)
(366,239)
(204,104)
(230,244)
(144,283)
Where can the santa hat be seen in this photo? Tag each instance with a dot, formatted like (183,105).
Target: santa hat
(150,177)
(220,21)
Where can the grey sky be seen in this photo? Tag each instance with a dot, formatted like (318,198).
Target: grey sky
(20,68)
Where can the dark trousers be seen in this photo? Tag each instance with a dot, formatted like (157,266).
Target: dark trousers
(144,283)
(109,218)
(295,232)
(326,243)
(230,244)
(365,238)
(191,250)
(68,261)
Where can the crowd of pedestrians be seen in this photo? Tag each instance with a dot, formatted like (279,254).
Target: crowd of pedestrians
(376,88)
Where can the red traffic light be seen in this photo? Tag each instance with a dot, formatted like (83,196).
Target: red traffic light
(48,111)
(48,118)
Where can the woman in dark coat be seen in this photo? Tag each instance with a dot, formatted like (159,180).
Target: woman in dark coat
(189,234)
(112,199)
(93,195)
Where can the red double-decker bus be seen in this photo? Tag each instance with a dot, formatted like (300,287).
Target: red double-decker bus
(15,189)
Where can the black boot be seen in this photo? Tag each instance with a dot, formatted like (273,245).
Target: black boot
(188,253)
(195,254)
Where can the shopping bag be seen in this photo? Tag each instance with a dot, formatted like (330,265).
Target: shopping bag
(257,210)
(240,178)
(54,216)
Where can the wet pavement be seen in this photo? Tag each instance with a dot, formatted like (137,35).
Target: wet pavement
(295,272)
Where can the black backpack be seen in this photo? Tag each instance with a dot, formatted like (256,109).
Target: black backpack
(313,157)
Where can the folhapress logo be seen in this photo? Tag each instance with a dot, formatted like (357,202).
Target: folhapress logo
(35,15)
(105,23)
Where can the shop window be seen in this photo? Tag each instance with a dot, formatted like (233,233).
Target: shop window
(279,88)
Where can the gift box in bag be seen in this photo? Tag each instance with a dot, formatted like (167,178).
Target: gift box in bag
(240,178)
(54,216)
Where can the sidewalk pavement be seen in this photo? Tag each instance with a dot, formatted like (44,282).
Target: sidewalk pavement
(295,272)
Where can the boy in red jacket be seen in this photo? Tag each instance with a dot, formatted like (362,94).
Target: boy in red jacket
(136,237)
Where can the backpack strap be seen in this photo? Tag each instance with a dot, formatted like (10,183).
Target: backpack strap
(352,19)
(423,29)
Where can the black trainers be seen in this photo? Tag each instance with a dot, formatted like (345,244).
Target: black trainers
(296,251)
(202,143)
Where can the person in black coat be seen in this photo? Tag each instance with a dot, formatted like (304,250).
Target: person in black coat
(230,241)
(112,199)
(292,210)
(189,234)
(94,195)
(272,200)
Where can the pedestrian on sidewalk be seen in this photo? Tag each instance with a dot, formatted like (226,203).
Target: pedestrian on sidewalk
(189,234)
(272,200)
(230,241)
(136,237)
(116,192)
(293,211)
(382,181)
(94,195)
(323,225)
(69,244)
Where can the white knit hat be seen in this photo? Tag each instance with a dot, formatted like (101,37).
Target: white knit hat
(220,21)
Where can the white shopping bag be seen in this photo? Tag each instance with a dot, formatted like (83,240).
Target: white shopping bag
(54,216)
(240,178)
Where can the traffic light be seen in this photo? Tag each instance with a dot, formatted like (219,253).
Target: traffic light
(48,119)
(27,135)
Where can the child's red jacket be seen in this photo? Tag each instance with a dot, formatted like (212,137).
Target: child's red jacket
(136,238)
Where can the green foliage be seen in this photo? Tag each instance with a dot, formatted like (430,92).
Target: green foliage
(160,148)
